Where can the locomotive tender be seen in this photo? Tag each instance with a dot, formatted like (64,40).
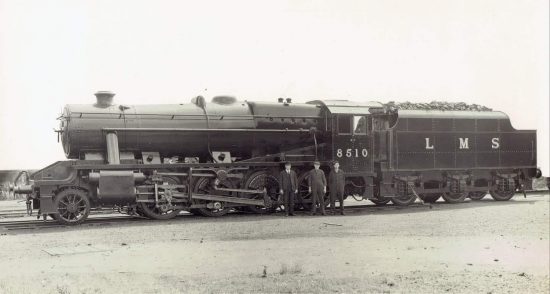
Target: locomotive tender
(209,158)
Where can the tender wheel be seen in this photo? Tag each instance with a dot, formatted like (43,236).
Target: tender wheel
(72,205)
(206,186)
(258,181)
(430,197)
(380,201)
(478,195)
(451,197)
(504,190)
(163,210)
(405,195)
(456,192)
(377,200)
(502,195)
(404,200)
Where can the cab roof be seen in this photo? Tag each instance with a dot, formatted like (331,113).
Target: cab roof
(348,107)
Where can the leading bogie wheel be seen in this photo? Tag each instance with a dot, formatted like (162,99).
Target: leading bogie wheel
(72,205)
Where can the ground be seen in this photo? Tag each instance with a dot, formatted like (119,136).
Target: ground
(474,247)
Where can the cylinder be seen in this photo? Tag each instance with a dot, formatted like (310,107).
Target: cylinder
(20,189)
(113,155)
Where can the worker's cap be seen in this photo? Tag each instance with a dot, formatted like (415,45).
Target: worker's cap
(316,162)
(335,162)
(287,163)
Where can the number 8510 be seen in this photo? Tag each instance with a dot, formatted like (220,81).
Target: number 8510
(352,152)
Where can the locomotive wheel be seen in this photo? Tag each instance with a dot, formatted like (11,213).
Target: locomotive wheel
(430,197)
(139,212)
(478,195)
(258,181)
(203,186)
(303,192)
(72,205)
(380,201)
(451,197)
(149,210)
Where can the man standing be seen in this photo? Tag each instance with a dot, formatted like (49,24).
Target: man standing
(289,187)
(317,187)
(336,182)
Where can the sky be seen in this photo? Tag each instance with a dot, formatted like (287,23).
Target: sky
(56,52)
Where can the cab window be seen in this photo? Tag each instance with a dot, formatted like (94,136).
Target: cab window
(359,125)
(344,125)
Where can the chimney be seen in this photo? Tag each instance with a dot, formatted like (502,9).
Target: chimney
(104,98)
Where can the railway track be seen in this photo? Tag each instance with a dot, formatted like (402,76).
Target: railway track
(13,213)
(102,218)
(28,225)
(121,219)
(16,213)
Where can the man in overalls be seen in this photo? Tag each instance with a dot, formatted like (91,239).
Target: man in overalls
(336,182)
(317,187)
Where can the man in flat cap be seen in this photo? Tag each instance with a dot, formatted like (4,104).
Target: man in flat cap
(289,188)
(317,187)
(336,182)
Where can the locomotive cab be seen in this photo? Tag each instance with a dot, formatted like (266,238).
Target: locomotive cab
(352,142)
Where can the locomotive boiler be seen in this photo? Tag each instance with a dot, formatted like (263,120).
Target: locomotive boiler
(180,130)
(211,157)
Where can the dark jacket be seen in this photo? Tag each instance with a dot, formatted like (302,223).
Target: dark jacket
(336,180)
(284,178)
(317,178)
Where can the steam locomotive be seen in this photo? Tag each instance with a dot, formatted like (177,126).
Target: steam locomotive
(211,157)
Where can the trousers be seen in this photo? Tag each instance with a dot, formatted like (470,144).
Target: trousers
(337,194)
(317,198)
(288,200)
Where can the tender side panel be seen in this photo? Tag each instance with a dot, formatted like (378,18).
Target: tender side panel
(460,143)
